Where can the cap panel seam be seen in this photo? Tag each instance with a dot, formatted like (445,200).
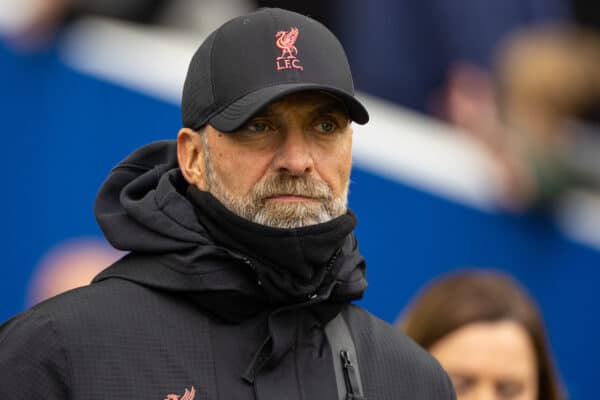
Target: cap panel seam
(212,58)
(272,17)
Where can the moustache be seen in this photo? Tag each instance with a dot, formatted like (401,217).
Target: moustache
(304,186)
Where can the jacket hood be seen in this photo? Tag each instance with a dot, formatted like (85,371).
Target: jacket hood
(143,207)
(139,207)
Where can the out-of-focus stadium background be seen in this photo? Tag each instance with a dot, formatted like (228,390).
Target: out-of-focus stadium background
(435,185)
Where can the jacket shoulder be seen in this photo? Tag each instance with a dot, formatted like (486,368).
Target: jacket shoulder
(36,345)
(71,345)
(101,305)
(392,365)
(33,360)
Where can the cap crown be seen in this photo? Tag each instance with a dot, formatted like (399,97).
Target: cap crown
(266,48)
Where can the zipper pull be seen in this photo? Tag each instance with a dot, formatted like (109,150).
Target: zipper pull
(251,265)
(350,377)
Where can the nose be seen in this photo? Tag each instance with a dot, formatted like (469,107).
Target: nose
(294,155)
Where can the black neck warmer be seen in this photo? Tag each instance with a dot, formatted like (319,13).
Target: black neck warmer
(292,265)
(316,269)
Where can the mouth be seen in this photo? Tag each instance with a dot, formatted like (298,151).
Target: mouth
(291,198)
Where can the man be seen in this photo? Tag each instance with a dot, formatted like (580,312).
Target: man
(242,261)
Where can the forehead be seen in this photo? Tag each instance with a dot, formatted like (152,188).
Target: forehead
(502,348)
(309,101)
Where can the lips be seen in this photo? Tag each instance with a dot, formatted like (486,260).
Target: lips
(291,197)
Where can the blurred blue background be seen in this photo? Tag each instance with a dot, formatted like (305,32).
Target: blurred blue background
(64,129)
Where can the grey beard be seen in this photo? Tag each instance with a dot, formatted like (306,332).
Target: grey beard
(256,208)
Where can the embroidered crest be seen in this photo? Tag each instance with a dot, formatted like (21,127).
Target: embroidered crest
(286,41)
(188,395)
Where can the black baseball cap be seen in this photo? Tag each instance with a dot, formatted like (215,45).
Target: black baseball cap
(258,58)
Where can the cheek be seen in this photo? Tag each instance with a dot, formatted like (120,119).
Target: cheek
(239,171)
(334,164)
(343,165)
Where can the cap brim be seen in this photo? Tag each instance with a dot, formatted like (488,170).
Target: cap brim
(240,111)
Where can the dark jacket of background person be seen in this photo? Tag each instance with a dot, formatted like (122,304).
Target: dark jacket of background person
(184,314)
(471,296)
(402,50)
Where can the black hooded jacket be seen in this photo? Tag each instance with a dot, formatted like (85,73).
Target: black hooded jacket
(207,305)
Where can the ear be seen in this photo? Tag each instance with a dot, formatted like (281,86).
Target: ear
(190,155)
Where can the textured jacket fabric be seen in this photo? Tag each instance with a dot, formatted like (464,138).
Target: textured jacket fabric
(192,313)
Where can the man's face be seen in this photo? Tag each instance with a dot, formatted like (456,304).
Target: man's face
(289,166)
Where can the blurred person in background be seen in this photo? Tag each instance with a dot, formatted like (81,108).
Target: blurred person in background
(69,265)
(548,99)
(488,335)
(536,110)
(539,118)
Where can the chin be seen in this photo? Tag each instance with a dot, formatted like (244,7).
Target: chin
(292,215)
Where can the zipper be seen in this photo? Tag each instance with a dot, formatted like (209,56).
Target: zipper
(249,263)
(350,377)
(332,260)
(328,277)
(313,297)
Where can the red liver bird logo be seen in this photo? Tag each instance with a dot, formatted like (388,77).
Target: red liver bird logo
(286,41)
(188,395)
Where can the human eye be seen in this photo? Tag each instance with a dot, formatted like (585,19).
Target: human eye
(259,126)
(328,124)
(509,389)
(462,384)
